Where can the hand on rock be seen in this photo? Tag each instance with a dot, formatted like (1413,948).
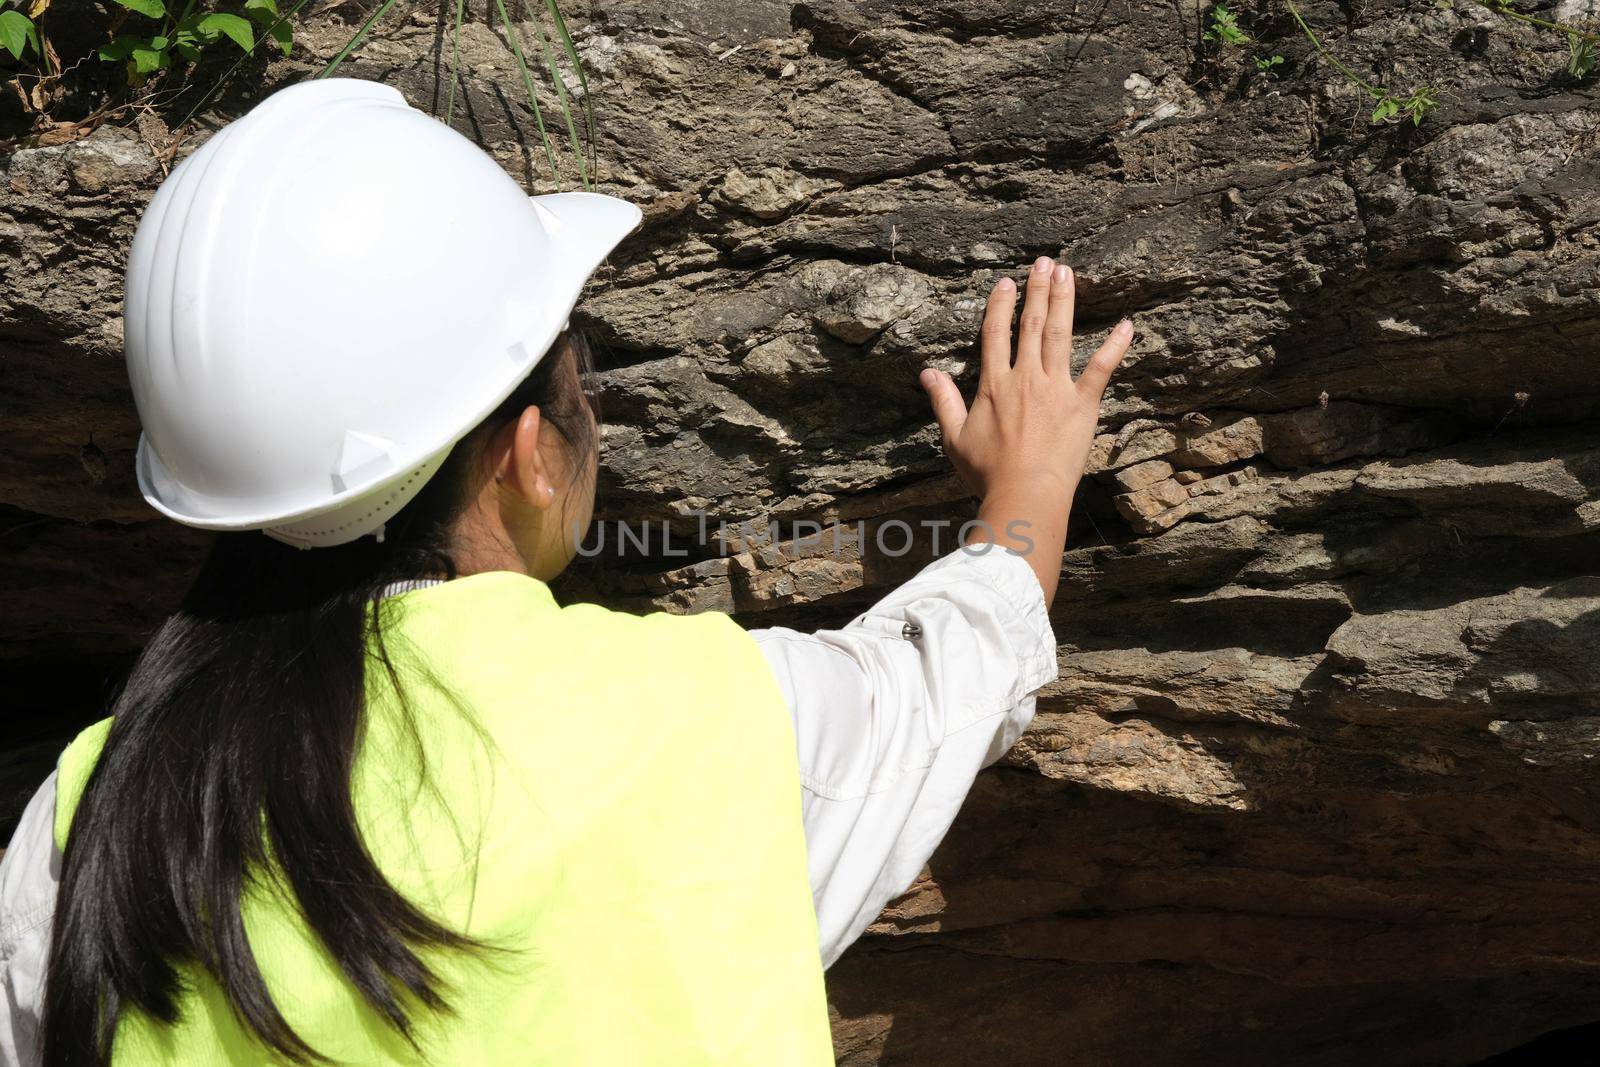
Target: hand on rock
(1024,443)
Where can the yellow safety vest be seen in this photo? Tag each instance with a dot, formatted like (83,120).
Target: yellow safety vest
(612,799)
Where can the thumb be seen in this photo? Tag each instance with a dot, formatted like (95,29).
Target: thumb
(948,407)
(1097,372)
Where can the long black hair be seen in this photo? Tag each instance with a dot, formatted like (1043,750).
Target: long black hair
(229,759)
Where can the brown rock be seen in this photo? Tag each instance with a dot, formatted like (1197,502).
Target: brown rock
(770,194)
(1331,432)
(1237,440)
(1144,475)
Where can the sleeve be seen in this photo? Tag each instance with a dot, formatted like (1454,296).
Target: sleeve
(894,716)
(29,875)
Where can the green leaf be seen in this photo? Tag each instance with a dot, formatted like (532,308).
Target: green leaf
(1387,108)
(1580,56)
(150,57)
(232,27)
(151,8)
(1225,27)
(264,13)
(279,27)
(187,51)
(17,32)
(1419,104)
(119,49)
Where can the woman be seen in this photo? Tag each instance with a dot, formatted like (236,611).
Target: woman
(351,805)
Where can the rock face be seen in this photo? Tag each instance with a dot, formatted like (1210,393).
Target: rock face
(1316,781)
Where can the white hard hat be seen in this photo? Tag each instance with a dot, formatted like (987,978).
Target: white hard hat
(328,295)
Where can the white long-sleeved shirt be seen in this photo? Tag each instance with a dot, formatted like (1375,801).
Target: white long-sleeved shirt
(894,716)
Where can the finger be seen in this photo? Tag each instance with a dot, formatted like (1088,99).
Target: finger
(948,407)
(1056,353)
(997,329)
(1030,334)
(1097,372)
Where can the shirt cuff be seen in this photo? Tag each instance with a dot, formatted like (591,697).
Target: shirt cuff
(1026,620)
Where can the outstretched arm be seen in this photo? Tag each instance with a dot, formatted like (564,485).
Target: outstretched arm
(893,724)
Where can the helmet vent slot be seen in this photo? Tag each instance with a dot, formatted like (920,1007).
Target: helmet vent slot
(362,458)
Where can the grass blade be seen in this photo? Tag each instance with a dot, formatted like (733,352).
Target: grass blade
(1316,42)
(561,95)
(527,83)
(349,46)
(455,65)
(583,81)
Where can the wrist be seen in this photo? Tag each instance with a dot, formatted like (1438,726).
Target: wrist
(1039,488)
(1023,518)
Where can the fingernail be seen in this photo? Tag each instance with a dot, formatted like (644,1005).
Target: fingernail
(1063,272)
(1125,326)
(1005,285)
(1041,264)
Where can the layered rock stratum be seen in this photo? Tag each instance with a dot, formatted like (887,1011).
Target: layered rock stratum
(1316,781)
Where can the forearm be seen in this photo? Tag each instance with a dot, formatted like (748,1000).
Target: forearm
(1031,520)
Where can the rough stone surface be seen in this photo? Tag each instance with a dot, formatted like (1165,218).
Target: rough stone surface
(1316,782)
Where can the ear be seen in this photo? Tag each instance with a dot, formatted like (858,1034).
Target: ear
(520,466)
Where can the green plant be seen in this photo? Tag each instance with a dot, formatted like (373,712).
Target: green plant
(1415,105)
(1581,44)
(1580,56)
(148,37)
(1503,7)
(1223,27)
(279,30)
(18,33)
(185,35)
(514,42)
